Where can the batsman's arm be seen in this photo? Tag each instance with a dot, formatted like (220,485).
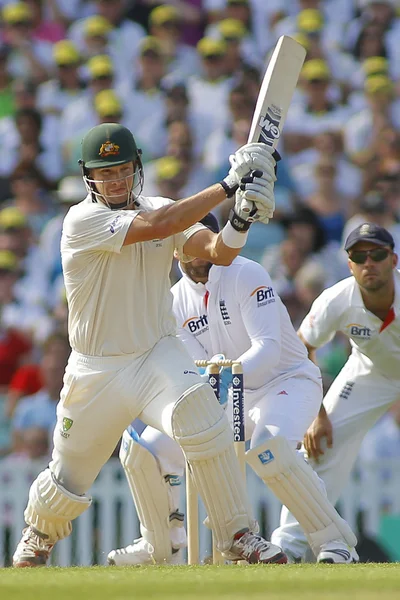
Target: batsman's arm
(175,217)
(178,216)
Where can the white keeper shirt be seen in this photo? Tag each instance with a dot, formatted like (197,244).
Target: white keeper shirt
(374,343)
(118,296)
(239,314)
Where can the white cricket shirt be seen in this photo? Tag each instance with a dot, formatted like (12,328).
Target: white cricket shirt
(118,296)
(244,319)
(341,308)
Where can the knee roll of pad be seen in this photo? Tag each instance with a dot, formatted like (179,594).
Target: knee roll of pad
(51,508)
(200,425)
(296,485)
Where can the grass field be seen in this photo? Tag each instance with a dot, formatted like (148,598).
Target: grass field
(274,582)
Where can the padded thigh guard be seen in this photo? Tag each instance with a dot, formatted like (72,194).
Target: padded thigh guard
(51,508)
(297,486)
(150,493)
(201,428)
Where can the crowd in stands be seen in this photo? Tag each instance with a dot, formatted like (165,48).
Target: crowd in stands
(184,76)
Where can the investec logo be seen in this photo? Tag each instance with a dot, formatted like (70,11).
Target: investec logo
(238,418)
(357,330)
(196,325)
(264,295)
(270,125)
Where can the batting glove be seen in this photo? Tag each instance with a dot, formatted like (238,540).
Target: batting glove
(259,191)
(248,158)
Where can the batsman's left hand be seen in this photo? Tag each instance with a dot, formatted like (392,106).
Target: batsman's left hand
(249,158)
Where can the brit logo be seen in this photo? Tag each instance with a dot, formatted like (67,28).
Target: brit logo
(224,312)
(264,295)
(358,331)
(196,325)
(266,457)
(270,125)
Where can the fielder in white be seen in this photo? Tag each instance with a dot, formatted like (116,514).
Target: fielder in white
(366,308)
(235,310)
(126,362)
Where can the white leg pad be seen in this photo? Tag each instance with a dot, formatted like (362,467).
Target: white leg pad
(201,428)
(51,508)
(296,485)
(150,494)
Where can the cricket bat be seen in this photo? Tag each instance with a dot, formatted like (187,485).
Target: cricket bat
(276,93)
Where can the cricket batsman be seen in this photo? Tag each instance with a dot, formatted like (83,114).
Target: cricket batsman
(126,362)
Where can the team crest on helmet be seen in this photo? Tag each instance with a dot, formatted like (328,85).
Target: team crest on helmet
(109,149)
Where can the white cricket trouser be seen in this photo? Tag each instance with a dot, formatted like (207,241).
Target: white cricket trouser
(102,396)
(355,401)
(284,408)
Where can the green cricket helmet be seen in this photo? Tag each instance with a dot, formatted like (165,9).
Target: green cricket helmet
(110,145)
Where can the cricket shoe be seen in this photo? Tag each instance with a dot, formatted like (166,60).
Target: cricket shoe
(140,553)
(33,550)
(252,548)
(337,552)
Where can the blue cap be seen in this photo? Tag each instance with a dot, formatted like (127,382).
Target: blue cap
(369,232)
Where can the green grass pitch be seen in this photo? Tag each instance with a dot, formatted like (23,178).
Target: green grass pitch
(272,582)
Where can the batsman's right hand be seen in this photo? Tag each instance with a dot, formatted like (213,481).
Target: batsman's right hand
(248,158)
(319,429)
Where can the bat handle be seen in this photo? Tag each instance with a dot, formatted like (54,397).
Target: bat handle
(247,206)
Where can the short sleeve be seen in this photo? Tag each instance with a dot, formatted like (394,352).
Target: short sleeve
(96,228)
(180,240)
(321,323)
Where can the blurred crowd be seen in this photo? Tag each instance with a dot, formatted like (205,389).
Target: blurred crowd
(184,76)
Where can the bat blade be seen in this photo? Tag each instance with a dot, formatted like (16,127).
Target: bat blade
(276,92)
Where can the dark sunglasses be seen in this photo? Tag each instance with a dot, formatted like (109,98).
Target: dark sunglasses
(377,255)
